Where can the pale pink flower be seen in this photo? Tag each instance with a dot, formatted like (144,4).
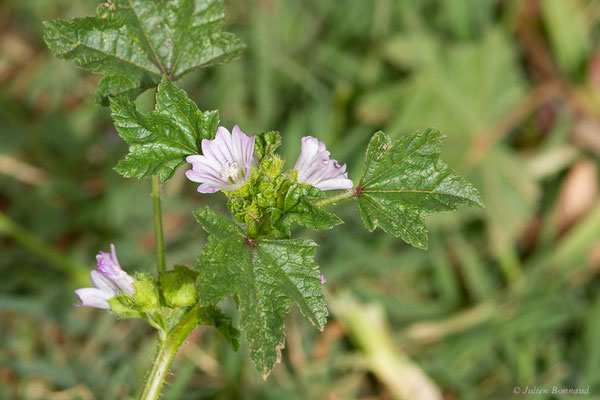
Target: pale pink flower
(108,280)
(315,168)
(225,163)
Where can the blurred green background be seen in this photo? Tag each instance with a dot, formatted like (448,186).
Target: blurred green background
(506,296)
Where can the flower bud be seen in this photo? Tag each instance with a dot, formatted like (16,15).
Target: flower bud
(178,287)
(146,293)
(271,167)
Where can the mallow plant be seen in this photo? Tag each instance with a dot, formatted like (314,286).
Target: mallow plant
(252,254)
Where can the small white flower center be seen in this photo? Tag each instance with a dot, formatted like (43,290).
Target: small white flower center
(230,171)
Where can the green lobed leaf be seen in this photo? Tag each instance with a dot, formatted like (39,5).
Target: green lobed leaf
(160,141)
(405,180)
(265,276)
(134,42)
(211,315)
(298,208)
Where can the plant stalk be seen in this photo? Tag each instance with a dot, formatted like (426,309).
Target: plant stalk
(348,194)
(158,227)
(166,352)
(8,227)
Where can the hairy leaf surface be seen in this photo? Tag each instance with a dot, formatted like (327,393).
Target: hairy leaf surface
(160,141)
(134,42)
(298,208)
(405,180)
(265,276)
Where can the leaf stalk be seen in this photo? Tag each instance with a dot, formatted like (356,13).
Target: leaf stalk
(348,194)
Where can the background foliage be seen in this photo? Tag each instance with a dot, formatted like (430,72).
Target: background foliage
(505,296)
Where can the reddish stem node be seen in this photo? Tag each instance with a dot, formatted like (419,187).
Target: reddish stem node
(251,242)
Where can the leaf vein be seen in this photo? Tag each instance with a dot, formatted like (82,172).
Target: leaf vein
(156,57)
(181,49)
(403,159)
(298,293)
(375,205)
(105,53)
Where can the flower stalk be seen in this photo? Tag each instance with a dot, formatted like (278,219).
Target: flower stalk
(166,352)
(35,245)
(158,228)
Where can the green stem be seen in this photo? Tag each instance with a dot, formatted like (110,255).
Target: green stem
(166,352)
(348,194)
(158,228)
(10,228)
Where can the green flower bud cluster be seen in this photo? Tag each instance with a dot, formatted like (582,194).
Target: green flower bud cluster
(175,289)
(265,191)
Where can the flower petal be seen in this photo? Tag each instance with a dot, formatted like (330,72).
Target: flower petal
(208,189)
(308,151)
(237,144)
(335,184)
(244,145)
(102,282)
(225,163)
(315,168)
(113,254)
(92,297)
(194,158)
(108,266)
(124,282)
(203,176)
